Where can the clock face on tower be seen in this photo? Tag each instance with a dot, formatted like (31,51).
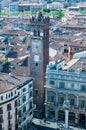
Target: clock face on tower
(36,58)
(36,45)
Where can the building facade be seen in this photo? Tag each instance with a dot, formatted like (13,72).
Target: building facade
(25,105)
(13,7)
(16,102)
(65,84)
(8,110)
(39,56)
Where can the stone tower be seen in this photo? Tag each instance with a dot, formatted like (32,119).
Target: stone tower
(39,56)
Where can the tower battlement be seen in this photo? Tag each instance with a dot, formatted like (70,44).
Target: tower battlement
(39,19)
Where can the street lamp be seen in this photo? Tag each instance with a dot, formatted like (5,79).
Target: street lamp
(66,106)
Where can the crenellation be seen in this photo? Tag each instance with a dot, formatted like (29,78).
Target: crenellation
(40,19)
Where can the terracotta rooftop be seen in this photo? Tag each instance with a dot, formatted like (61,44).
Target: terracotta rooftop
(15,40)
(19,51)
(78,38)
(15,32)
(81,64)
(73,26)
(8,82)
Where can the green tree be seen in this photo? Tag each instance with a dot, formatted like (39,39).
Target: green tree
(58,13)
(46,10)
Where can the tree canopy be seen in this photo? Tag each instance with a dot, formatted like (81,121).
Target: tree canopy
(58,12)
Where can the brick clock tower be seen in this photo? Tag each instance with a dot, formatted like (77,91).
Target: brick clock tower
(39,56)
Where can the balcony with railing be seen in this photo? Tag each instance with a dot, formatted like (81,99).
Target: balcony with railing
(66,75)
(60,106)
